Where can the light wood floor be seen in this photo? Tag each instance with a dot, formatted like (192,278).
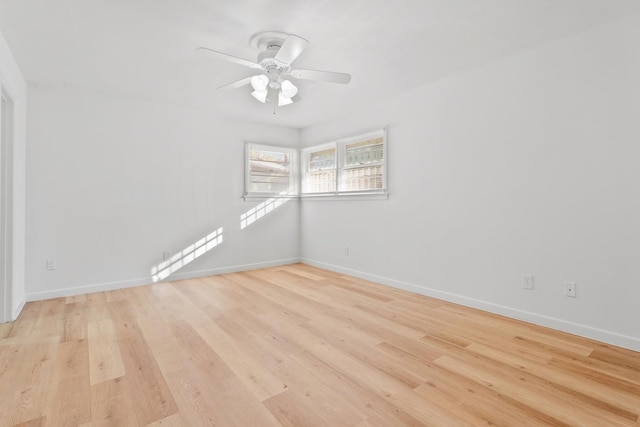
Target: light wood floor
(299,346)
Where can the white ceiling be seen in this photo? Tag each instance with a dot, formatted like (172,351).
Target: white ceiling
(145,48)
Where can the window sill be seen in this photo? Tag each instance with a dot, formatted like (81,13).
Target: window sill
(346,196)
(263,197)
(326,197)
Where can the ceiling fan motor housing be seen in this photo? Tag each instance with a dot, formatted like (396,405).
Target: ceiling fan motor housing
(267,60)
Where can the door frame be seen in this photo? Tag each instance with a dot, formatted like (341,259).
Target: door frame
(6,205)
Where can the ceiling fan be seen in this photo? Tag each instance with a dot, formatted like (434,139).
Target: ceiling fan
(277,50)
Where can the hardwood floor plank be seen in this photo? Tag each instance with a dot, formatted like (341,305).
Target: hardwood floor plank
(598,370)
(294,408)
(371,355)
(75,322)
(27,320)
(387,387)
(300,270)
(173,306)
(200,354)
(293,303)
(105,361)
(320,395)
(351,391)
(531,392)
(226,404)
(259,380)
(175,420)
(115,295)
(298,284)
(71,402)
(96,310)
(260,337)
(359,289)
(97,297)
(76,299)
(5,329)
(243,407)
(112,403)
(154,400)
(25,378)
(396,294)
(51,320)
(297,346)
(607,395)
(197,293)
(618,356)
(36,422)
(477,404)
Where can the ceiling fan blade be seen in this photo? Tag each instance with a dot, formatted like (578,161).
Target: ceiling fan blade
(226,57)
(291,49)
(325,76)
(239,83)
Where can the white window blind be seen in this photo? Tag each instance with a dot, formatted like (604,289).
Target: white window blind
(320,170)
(355,165)
(270,170)
(363,165)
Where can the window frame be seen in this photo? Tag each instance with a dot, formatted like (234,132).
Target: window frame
(299,169)
(305,156)
(293,190)
(340,146)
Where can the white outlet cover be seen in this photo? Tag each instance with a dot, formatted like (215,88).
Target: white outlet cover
(570,289)
(528,282)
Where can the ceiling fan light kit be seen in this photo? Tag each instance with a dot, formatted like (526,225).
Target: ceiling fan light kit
(277,51)
(283,100)
(259,82)
(260,95)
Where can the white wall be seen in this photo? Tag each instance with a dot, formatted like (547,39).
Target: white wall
(525,165)
(113,183)
(13,82)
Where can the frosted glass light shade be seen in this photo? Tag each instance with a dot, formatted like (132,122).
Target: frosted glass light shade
(259,82)
(289,90)
(283,100)
(260,95)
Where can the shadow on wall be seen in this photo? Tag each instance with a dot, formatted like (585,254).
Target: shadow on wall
(186,256)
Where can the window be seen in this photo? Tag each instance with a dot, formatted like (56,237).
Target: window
(352,166)
(319,170)
(363,164)
(270,170)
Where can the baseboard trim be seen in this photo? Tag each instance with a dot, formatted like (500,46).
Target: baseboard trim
(527,316)
(231,269)
(110,286)
(17,309)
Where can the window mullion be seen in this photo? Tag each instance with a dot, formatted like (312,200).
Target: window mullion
(340,153)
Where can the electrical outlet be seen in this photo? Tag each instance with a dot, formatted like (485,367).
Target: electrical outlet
(527,282)
(51,265)
(346,250)
(166,255)
(570,289)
